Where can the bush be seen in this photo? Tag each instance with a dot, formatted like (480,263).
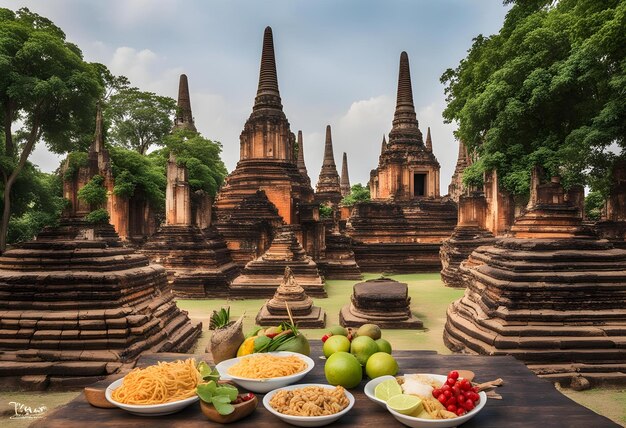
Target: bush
(326,211)
(358,193)
(594,203)
(99,216)
(75,161)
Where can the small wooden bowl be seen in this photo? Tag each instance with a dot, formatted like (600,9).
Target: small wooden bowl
(96,397)
(241,411)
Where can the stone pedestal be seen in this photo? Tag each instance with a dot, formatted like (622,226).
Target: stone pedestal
(76,305)
(260,277)
(339,262)
(290,293)
(383,302)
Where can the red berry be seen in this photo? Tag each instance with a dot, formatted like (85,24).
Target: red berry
(475,388)
(460,411)
(451,408)
(445,387)
(442,398)
(447,393)
(450,381)
(453,374)
(456,390)
(451,400)
(469,405)
(436,392)
(465,385)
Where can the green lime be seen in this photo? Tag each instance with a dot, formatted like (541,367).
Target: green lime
(383,346)
(404,403)
(387,389)
(336,344)
(381,364)
(343,369)
(363,347)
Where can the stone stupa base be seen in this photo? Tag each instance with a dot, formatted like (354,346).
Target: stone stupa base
(315,319)
(348,318)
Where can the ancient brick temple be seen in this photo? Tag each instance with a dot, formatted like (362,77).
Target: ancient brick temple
(382,301)
(290,293)
(403,226)
(184,116)
(612,226)
(198,262)
(76,305)
(268,164)
(551,294)
(261,276)
(328,188)
(470,233)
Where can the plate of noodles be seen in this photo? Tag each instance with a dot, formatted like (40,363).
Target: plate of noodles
(157,390)
(264,372)
(309,405)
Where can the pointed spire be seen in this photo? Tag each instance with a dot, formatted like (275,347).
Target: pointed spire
(328,181)
(405,126)
(329,157)
(300,163)
(98,138)
(345,178)
(461,160)
(267,95)
(384,145)
(429,141)
(184,117)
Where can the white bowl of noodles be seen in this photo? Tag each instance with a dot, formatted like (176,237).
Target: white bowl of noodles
(307,421)
(267,372)
(148,409)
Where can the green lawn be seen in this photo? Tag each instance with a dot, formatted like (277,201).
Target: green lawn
(429,300)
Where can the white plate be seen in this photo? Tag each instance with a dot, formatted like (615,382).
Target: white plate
(307,421)
(264,385)
(148,409)
(414,422)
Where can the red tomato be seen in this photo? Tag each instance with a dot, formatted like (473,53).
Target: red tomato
(445,387)
(442,398)
(451,400)
(469,405)
(460,411)
(451,408)
(450,381)
(436,392)
(453,374)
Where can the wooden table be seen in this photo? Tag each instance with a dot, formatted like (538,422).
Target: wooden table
(528,401)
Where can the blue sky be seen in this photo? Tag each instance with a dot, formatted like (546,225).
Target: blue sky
(337,63)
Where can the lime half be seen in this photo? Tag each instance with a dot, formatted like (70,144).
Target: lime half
(387,389)
(404,403)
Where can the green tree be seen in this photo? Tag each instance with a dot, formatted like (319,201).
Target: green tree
(138,119)
(594,203)
(134,172)
(358,193)
(46,89)
(200,155)
(548,89)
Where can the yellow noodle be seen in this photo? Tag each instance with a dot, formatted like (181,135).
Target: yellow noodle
(263,366)
(158,384)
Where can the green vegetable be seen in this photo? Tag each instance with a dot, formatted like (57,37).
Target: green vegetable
(220,319)
(253,332)
(219,396)
(207,372)
(261,343)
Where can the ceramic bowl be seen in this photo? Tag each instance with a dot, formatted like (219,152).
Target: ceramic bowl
(307,421)
(148,409)
(414,422)
(264,385)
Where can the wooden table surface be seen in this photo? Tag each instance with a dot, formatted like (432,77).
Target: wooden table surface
(527,401)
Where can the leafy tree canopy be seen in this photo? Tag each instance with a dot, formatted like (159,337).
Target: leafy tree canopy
(548,89)
(138,119)
(201,156)
(358,193)
(47,90)
(135,173)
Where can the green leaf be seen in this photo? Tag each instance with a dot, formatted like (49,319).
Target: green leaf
(206,390)
(227,391)
(207,372)
(224,408)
